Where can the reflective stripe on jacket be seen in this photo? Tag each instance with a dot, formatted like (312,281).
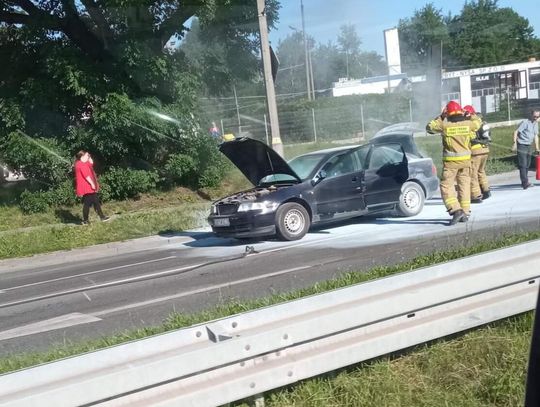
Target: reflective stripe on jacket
(457,132)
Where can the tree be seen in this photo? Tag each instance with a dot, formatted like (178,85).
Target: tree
(125,43)
(417,35)
(90,73)
(291,54)
(349,43)
(484,34)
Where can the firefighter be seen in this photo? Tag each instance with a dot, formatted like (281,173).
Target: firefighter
(456,132)
(479,156)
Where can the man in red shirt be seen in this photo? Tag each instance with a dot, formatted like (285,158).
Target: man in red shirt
(86,185)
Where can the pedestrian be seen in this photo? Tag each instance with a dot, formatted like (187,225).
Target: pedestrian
(524,136)
(456,130)
(479,155)
(87,186)
(214,131)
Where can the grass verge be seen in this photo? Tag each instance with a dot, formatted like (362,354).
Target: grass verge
(506,333)
(51,237)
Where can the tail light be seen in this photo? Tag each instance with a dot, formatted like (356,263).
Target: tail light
(433,170)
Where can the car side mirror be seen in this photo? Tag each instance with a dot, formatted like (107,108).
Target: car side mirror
(319,177)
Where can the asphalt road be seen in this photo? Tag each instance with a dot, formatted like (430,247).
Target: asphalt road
(48,300)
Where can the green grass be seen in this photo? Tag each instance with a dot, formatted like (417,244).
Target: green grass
(58,236)
(178,320)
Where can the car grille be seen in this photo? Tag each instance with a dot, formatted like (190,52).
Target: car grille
(226,209)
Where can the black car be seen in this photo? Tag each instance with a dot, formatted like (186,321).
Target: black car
(386,174)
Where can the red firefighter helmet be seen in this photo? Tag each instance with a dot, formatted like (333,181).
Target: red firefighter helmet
(453,107)
(469,109)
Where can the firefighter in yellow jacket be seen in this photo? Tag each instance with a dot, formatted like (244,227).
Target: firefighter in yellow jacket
(457,131)
(479,156)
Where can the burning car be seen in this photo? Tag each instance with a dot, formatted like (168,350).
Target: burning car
(386,174)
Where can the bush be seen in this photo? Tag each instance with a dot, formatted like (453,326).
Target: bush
(180,168)
(37,158)
(63,194)
(211,177)
(124,183)
(34,202)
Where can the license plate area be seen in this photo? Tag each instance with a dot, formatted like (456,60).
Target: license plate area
(221,222)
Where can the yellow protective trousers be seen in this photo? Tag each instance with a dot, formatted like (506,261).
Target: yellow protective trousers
(479,180)
(460,172)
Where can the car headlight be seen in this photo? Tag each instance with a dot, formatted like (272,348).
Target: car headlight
(264,207)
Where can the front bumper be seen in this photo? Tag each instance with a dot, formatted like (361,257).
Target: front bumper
(243,224)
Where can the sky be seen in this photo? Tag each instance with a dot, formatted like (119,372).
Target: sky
(324,17)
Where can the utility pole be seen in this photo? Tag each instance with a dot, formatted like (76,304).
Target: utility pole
(305,51)
(277,145)
(237,112)
(311,75)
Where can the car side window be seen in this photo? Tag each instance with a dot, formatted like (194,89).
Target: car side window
(340,165)
(361,155)
(384,155)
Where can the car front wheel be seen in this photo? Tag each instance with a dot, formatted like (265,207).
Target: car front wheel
(411,200)
(292,221)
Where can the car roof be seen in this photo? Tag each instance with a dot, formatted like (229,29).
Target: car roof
(330,150)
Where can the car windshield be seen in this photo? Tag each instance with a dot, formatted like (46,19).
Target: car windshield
(355,126)
(305,164)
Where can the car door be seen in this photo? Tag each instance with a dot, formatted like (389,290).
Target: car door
(339,189)
(386,171)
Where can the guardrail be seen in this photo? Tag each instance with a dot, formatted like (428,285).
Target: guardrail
(247,354)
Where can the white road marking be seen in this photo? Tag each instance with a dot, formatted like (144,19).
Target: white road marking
(198,291)
(104,285)
(63,321)
(88,273)
(87,297)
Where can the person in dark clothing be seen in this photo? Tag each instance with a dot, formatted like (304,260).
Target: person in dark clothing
(86,186)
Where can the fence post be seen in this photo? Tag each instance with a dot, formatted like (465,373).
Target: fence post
(314,124)
(222,128)
(508,102)
(410,110)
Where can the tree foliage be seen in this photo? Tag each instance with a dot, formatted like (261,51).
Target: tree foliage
(481,34)
(417,34)
(485,34)
(104,75)
(330,61)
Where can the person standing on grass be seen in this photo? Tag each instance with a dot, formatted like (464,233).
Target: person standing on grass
(86,186)
(524,137)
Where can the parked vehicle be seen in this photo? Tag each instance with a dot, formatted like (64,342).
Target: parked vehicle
(386,174)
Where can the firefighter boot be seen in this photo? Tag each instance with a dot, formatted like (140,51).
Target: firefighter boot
(457,216)
(486,194)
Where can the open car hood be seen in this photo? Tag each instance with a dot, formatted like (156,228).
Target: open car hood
(255,159)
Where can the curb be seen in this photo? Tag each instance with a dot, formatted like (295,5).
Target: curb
(95,252)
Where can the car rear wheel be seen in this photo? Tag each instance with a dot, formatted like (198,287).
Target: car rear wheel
(411,200)
(292,221)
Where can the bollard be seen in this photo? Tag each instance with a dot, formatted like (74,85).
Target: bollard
(538,166)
